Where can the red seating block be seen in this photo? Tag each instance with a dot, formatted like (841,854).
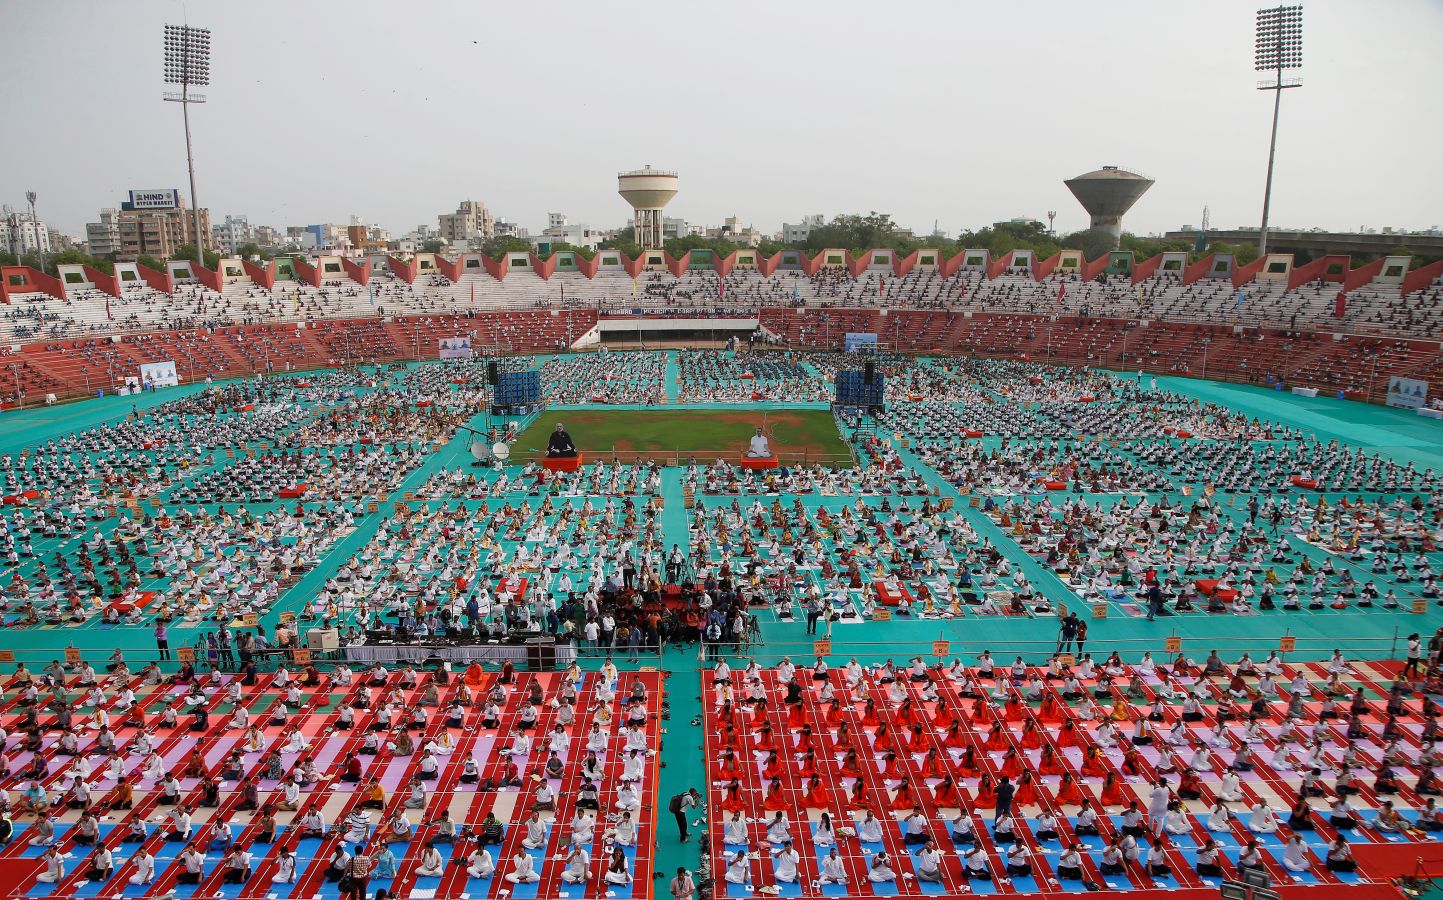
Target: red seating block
(292,493)
(759,463)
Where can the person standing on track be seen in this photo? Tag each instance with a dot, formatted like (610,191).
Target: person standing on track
(679,805)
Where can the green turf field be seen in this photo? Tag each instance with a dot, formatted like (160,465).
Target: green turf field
(796,434)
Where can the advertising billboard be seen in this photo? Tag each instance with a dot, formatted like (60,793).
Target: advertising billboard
(164,198)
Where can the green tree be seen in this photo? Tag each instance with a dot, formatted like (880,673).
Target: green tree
(187,252)
(563,246)
(502,244)
(770,247)
(1093,242)
(622,241)
(434,245)
(150,262)
(247,251)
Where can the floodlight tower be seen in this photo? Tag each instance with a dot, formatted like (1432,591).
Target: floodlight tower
(1278,46)
(1107,194)
(30,197)
(648,191)
(187,63)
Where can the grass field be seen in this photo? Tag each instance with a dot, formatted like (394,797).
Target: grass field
(795,434)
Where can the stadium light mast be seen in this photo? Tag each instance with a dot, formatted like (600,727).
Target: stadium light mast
(1278,46)
(30,197)
(187,63)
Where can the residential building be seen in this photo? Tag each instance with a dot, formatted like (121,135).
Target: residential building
(159,230)
(798,233)
(510,229)
(104,236)
(471,221)
(21,234)
(733,230)
(232,234)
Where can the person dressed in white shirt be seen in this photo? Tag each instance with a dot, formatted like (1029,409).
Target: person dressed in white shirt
(54,867)
(144,867)
(834,871)
(869,830)
(738,871)
(479,864)
(929,862)
(881,868)
(432,864)
(786,863)
(578,866)
(734,832)
(285,868)
(759,447)
(523,869)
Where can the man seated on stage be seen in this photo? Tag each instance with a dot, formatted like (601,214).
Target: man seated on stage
(759,448)
(559,444)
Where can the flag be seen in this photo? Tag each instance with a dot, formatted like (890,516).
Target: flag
(473,293)
(633,285)
(796,290)
(1061,291)
(1141,297)
(721,288)
(107,309)
(1242,298)
(371,292)
(1340,305)
(563,292)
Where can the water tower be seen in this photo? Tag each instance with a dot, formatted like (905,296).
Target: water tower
(1107,194)
(648,191)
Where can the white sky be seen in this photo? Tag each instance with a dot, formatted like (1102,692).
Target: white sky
(965,113)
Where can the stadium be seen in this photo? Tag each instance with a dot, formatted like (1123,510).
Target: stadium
(720,567)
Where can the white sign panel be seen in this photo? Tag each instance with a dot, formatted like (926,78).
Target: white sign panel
(454,348)
(165,198)
(159,374)
(1409,393)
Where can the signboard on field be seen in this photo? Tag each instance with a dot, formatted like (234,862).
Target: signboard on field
(454,348)
(72,655)
(1173,645)
(185,654)
(822,647)
(1287,644)
(159,374)
(7,656)
(1407,393)
(859,342)
(301,656)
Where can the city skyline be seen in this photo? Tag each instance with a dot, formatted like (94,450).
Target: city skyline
(956,131)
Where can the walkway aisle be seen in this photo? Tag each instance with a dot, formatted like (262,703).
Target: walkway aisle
(680,757)
(669,379)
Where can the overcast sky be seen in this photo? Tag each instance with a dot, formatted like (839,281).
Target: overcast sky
(963,113)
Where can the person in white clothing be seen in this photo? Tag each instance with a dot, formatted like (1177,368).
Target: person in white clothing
(1263,820)
(881,869)
(834,871)
(479,864)
(760,447)
(1295,855)
(786,863)
(523,869)
(578,866)
(54,867)
(144,868)
(432,864)
(285,868)
(738,871)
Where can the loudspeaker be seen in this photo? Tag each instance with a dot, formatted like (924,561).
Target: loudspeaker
(869,373)
(492,373)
